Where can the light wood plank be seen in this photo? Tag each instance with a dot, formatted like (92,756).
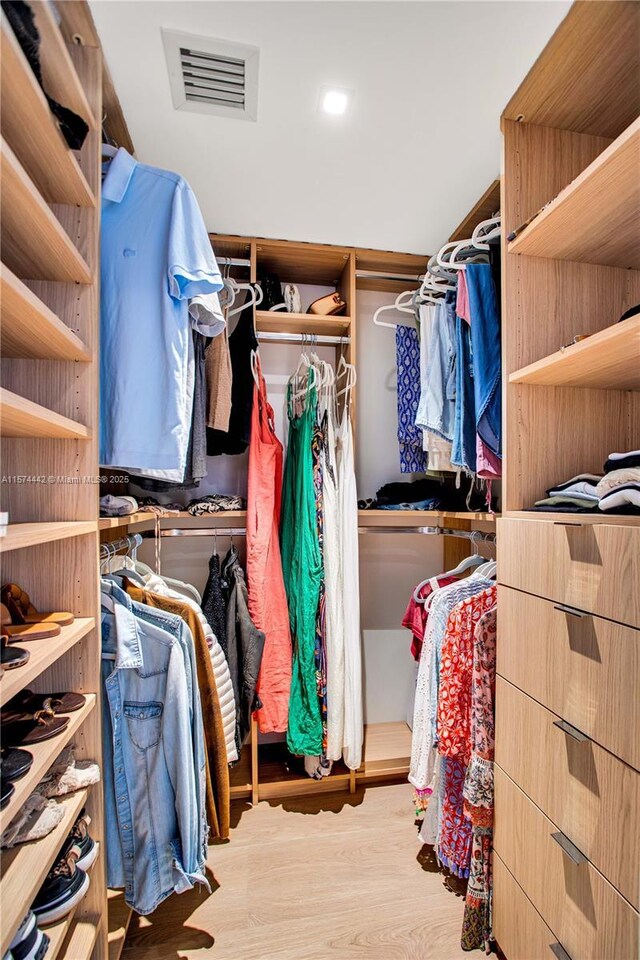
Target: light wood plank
(296,261)
(30,329)
(38,144)
(21,535)
(419,518)
(59,75)
(581,519)
(519,930)
(43,756)
(42,654)
(280,321)
(20,417)
(608,360)
(34,244)
(81,939)
(595,218)
(133,520)
(487,206)
(119,918)
(386,750)
(587,77)
(25,867)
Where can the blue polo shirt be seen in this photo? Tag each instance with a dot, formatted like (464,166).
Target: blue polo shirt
(155,255)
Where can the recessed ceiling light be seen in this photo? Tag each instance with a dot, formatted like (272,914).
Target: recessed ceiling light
(334,101)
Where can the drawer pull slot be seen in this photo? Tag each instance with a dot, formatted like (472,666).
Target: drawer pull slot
(565,523)
(570,730)
(563,608)
(559,951)
(568,848)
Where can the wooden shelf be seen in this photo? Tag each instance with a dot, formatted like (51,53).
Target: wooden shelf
(42,654)
(280,775)
(240,774)
(39,144)
(133,520)
(73,939)
(487,206)
(43,756)
(35,246)
(418,518)
(595,218)
(59,75)
(25,867)
(608,360)
(30,329)
(598,516)
(280,321)
(386,750)
(20,417)
(299,262)
(21,535)
(119,920)
(226,518)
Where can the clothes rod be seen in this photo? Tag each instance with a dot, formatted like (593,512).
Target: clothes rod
(475,536)
(320,339)
(233,261)
(197,531)
(376,275)
(111,547)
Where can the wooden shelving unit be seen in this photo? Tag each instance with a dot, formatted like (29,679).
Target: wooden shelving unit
(608,360)
(34,243)
(595,218)
(578,519)
(20,417)
(386,751)
(279,321)
(119,918)
(30,329)
(46,158)
(133,520)
(48,440)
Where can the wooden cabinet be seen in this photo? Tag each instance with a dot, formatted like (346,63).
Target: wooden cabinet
(592,796)
(522,933)
(589,917)
(583,668)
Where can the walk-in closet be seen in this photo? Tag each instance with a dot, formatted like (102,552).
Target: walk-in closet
(320,480)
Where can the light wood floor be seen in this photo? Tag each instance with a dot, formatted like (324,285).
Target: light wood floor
(333,877)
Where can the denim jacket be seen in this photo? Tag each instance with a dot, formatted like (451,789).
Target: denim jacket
(153,753)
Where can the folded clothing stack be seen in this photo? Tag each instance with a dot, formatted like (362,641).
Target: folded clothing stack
(577,495)
(111,506)
(619,490)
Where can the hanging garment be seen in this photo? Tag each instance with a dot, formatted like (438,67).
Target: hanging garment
(151,228)
(218,799)
(153,757)
(485,334)
(236,439)
(302,570)
(267,598)
(412,456)
(353,713)
(213,604)
(454,830)
(245,644)
(437,448)
(219,377)
(333,573)
(416,615)
(463,448)
(438,413)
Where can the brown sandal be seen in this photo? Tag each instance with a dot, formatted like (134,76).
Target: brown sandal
(26,631)
(42,726)
(29,702)
(23,611)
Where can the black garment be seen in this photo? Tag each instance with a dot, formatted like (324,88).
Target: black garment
(245,646)
(19,14)
(236,440)
(495,260)
(213,603)
(633,312)
(451,497)
(625,462)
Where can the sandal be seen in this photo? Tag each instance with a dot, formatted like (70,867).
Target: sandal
(26,631)
(23,611)
(7,790)
(14,763)
(29,702)
(42,726)
(12,657)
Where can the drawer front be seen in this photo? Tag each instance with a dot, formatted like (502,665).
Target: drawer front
(585,669)
(590,795)
(520,931)
(590,566)
(588,916)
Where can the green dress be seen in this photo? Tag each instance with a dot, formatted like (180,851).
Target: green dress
(302,570)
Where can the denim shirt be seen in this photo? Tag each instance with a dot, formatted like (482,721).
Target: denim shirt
(154,764)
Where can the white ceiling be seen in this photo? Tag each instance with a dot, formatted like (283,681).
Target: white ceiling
(421,143)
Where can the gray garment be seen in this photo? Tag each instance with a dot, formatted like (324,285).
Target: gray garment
(245,644)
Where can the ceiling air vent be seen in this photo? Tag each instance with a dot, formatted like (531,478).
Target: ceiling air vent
(212,76)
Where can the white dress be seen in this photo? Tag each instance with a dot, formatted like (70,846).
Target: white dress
(334,613)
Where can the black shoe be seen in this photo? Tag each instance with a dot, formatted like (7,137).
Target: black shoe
(15,763)
(7,790)
(80,839)
(12,657)
(63,889)
(29,943)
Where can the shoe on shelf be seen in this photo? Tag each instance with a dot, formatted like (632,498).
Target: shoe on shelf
(29,702)
(66,775)
(12,657)
(23,611)
(36,818)
(14,763)
(29,943)
(7,790)
(26,631)
(65,886)
(21,730)
(80,839)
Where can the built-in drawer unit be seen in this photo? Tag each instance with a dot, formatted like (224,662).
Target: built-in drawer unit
(518,928)
(589,917)
(592,567)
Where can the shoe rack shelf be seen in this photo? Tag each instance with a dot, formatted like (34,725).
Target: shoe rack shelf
(44,754)
(50,208)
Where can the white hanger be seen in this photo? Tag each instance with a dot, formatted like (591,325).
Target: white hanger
(396,305)
(349,371)
(486,230)
(255,299)
(473,561)
(253,360)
